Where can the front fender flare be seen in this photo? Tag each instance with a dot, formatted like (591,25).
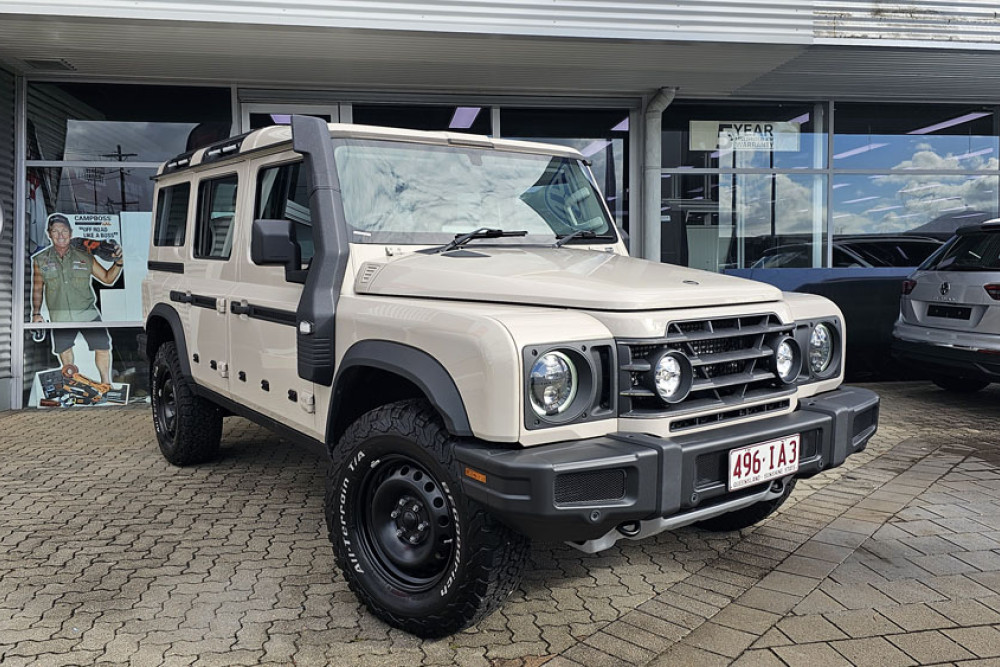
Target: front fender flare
(415,365)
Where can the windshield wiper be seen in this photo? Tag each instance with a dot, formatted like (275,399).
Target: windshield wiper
(563,239)
(481,233)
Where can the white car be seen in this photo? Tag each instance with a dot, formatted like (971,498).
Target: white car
(949,315)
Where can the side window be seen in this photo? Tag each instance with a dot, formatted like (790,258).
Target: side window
(283,194)
(216,218)
(171,215)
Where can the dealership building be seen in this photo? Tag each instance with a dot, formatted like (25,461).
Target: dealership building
(727,135)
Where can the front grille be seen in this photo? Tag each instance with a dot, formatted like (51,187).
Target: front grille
(590,486)
(730,359)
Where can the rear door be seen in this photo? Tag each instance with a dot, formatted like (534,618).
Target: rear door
(210,276)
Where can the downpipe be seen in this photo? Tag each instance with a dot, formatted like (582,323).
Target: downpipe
(651,170)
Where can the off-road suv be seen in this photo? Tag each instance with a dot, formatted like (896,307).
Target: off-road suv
(455,319)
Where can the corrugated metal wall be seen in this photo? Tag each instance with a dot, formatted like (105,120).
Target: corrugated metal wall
(752,21)
(936,21)
(6,235)
(929,22)
(923,22)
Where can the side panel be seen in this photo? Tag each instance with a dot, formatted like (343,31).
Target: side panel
(466,339)
(7,222)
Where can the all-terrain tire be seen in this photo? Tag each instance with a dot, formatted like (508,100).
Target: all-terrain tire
(415,550)
(188,427)
(748,516)
(960,385)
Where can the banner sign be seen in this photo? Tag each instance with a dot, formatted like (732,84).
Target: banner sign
(743,135)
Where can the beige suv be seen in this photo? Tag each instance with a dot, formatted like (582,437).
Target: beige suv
(456,321)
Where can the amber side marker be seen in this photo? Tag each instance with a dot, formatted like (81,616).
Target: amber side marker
(476,475)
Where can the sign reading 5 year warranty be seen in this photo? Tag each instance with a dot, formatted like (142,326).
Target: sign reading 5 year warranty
(743,135)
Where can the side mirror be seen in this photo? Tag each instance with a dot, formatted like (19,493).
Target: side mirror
(272,242)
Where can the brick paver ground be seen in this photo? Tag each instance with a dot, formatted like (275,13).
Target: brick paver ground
(108,555)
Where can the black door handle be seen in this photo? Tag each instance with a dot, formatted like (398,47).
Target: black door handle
(181,297)
(240,309)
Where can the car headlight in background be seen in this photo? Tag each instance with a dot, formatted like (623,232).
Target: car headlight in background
(787,360)
(820,348)
(672,376)
(552,384)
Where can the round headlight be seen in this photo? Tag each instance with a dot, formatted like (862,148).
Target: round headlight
(820,348)
(553,384)
(787,360)
(672,377)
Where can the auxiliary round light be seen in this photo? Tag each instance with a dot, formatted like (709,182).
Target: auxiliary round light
(787,360)
(553,384)
(820,348)
(672,376)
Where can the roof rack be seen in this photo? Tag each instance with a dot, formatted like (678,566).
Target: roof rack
(214,152)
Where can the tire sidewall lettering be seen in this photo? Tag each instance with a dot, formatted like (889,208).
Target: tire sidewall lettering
(350,473)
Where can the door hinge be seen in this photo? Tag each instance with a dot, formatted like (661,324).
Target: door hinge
(308,402)
(223,369)
(220,305)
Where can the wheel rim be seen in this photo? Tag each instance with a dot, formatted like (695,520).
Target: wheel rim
(166,402)
(407,528)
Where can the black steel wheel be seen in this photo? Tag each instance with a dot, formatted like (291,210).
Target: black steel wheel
(413,548)
(188,428)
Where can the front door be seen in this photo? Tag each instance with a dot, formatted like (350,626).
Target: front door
(263,305)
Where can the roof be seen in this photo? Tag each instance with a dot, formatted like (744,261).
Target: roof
(988,226)
(276,135)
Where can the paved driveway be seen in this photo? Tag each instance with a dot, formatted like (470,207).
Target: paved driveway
(110,555)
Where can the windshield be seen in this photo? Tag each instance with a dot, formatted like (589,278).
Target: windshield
(419,194)
(977,251)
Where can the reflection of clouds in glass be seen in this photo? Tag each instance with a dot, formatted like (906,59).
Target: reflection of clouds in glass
(906,201)
(792,209)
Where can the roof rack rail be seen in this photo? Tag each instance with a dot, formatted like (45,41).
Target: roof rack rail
(213,152)
(221,150)
(182,161)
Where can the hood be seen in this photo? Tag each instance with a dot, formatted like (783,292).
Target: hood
(557,278)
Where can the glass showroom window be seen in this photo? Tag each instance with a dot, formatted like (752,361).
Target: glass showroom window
(912,170)
(743,185)
(91,150)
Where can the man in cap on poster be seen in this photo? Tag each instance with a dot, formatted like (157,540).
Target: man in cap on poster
(62,277)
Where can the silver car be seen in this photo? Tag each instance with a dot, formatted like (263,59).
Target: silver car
(949,314)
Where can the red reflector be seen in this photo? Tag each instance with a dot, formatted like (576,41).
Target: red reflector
(993,290)
(908,286)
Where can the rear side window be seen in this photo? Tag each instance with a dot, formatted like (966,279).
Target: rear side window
(171,215)
(978,251)
(283,194)
(216,218)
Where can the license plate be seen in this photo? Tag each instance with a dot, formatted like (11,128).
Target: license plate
(767,460)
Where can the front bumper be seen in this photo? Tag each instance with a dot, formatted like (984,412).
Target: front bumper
(581,490)
(948,360)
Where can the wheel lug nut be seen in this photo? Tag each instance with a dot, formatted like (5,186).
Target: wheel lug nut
(402,501)
(399,532)
(394,513)
(416,508)
(414,539)
(423,526)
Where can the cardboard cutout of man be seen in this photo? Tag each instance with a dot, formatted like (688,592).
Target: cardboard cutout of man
(62,278)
